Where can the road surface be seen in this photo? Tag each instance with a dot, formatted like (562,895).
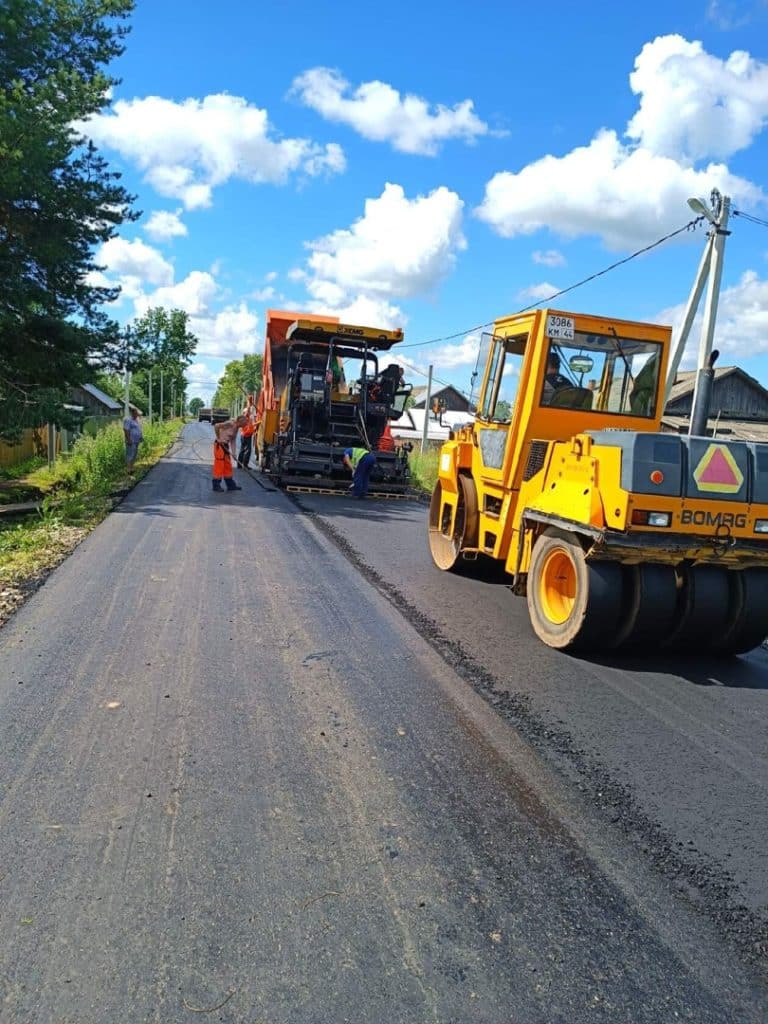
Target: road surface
(672,751)
(236,777)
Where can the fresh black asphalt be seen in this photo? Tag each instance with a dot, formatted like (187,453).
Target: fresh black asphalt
(263,764)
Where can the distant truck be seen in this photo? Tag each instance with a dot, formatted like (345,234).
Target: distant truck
(212,415)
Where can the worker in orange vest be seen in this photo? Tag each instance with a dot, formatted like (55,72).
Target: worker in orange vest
(222,453)
(246,434)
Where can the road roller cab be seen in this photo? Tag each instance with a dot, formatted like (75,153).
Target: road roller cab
(617,533)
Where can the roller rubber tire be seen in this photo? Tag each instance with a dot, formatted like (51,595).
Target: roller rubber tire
(703,605)
(748,625)
(573,604)
(650,604)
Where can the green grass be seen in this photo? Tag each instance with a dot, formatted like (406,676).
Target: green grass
(15,486)
(77,495)
(424,468)
(20,469)
(96,465)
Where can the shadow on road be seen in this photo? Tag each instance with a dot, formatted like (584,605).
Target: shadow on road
(743,673)
(337,507)
(176,483)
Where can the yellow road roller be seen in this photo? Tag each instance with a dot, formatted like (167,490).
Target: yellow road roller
(618,533)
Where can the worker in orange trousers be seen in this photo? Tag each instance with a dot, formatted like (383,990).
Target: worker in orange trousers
(222,453)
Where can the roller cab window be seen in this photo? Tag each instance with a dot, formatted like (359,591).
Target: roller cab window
(602,373)
(502,376)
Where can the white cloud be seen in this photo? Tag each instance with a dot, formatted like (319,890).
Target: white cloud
(186,149)
(329,161)
(135,259)
(202,381)
(398,249)
(728,16)
(164,225)
(742,322)
(98,279)
(549,258)
(193,294)
(178,183)
(693,105)
(202,375)
(271,276)
(222,333)
(626,196)
(368,311)
(538,292)
(455,354)
(264,294)
(379,112)
(631,193)
(228,334)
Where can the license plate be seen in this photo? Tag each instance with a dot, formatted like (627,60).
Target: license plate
(560,327)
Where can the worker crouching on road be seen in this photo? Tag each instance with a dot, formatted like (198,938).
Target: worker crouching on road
(222,453)
(361,462)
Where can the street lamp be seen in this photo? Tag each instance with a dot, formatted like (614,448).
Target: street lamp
(711,268)
(700,209)
(713,212)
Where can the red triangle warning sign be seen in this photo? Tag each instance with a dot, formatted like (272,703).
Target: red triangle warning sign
(718,471)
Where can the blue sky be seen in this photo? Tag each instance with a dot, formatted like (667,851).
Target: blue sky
(435,166)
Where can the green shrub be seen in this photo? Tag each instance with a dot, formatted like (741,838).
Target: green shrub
(95,462)
(95,466)
(424,468)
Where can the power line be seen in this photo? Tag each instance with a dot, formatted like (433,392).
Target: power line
(751,219)
(437,380)
(690,226)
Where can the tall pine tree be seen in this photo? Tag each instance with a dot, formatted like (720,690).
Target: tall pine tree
(58,199)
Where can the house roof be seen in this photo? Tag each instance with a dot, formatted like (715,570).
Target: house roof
(420,393)
(102,396)
(685,381)
(736,430)
(410,426)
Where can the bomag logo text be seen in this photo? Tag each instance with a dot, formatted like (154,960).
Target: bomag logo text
(715,519)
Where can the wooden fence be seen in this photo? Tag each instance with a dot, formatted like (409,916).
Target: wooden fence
(34,441)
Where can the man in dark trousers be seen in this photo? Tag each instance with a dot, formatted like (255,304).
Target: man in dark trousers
(246,434)
(361,462)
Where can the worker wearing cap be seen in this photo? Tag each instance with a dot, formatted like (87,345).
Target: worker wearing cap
(222,453)
(361,462)
(246,434)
